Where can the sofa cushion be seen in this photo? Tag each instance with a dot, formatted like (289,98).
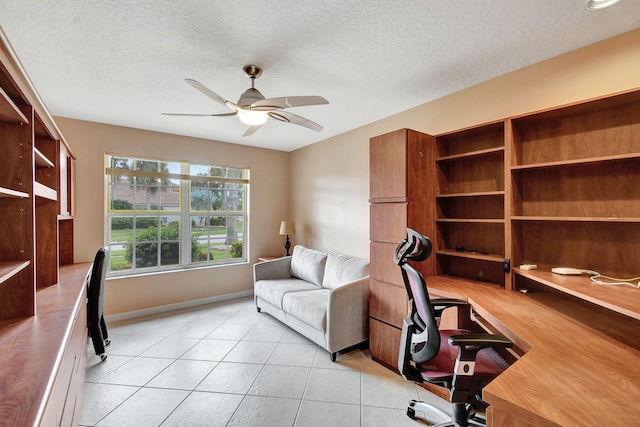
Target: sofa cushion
(342,269)
(308,306)
(274,290)
(308,264)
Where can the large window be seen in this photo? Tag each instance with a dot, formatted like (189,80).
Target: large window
(164,215)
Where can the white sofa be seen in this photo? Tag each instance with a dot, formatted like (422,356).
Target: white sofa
(323,296)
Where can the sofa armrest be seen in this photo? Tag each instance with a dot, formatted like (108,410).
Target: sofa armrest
(348,315)
(275,269)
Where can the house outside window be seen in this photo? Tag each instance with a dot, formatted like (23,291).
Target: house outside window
(167,215)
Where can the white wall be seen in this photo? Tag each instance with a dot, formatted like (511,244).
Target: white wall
(330,192)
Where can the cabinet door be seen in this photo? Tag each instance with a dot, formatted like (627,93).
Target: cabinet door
(387,165)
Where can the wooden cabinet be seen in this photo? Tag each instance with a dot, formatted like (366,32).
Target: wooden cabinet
(43,326)
(401,196)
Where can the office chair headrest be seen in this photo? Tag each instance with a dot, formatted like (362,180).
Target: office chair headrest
(415,247)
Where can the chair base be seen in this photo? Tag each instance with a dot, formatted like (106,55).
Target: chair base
(419,406)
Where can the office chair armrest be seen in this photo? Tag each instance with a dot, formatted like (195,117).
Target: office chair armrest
(441,304)
(471,344)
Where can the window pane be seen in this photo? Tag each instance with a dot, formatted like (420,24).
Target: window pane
(235,236)
(198,170)
(121,229)
(216,200)
(146,255)
(199,199)
(146,196)
(121,163)
(218,237)
(170,228)
(234,201)
(120,259)
(170,253)
(199,238)
(121,197)
(147,165)
(146,229)
(170,196)
(218,171)
(236,173)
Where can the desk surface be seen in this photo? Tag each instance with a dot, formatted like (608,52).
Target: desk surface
(582,362)
(31,348)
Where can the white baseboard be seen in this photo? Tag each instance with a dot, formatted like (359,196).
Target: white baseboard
(177,306)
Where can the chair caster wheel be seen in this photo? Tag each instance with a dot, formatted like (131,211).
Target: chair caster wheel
(107,341)
(411,413)
(103,356)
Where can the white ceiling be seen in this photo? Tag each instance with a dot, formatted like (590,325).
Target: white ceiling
(124,62)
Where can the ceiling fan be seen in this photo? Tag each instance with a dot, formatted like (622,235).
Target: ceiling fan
(254,109)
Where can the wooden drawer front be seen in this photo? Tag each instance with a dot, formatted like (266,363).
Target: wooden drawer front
(388,222)
(79,338)
(382,267)
(384,343)
(388,303)
(63,404)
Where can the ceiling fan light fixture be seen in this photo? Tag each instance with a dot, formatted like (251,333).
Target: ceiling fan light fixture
(600,4)
(252,118)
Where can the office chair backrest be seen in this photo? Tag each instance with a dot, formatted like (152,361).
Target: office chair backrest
(417,247)
(96,283)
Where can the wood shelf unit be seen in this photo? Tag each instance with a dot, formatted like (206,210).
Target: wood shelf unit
(552,188)
(43,328)
(575,195)
(470,203)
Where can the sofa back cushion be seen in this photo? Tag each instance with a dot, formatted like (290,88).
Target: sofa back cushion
(342,269)
(308,264)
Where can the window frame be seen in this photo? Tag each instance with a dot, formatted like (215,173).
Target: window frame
(184,213)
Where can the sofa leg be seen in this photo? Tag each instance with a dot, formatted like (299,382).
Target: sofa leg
(258,308)
(333,356)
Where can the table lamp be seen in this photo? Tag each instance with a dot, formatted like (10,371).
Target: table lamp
(286,228)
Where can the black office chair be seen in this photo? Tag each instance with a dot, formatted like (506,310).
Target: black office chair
(429,354)
(95,302)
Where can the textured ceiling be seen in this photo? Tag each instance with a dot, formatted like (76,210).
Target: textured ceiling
(124,62)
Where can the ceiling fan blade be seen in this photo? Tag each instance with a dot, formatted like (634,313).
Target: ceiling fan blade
(205,90)
(286,116)
(251,130)
(287,102)
(201,115)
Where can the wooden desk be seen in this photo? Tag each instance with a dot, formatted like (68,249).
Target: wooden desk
(43,358)
(582,362)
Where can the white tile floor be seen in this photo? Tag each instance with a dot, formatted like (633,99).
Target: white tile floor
(227,365)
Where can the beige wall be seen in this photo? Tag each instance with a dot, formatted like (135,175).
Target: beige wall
(330,192)
(90,141)
(329,181)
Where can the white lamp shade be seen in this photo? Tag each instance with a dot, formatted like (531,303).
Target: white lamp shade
(287,227)
(252,118)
